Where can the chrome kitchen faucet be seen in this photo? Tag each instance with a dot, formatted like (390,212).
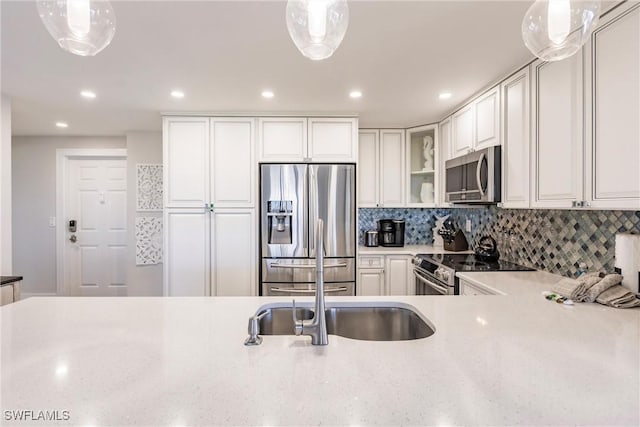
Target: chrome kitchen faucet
(316,327)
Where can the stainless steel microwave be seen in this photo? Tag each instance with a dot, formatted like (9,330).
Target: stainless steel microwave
(475,177)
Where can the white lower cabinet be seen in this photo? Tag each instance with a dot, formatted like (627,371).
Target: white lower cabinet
(210,253)
(233,252)
(371,282)
(385,275)
(186,252)
(469,289)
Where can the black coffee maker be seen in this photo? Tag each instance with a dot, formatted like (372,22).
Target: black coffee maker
(391,232)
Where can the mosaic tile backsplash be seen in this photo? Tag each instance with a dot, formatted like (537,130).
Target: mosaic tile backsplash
(553,240)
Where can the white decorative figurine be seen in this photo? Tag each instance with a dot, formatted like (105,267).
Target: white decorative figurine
(437,239)
(427,152)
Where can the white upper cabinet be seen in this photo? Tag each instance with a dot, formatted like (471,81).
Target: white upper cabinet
(300,139)
(477,124)
(613,148)
(423,156)
(333,139)
(282,138)
(487,132)
(462,131)
(557,121)
(368,168)
(515,140)
(233,165)
(186,161)
(444,148)
(392,168)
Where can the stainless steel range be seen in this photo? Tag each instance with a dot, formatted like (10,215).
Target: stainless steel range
(436,274)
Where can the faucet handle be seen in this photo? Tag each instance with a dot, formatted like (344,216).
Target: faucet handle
(297,324)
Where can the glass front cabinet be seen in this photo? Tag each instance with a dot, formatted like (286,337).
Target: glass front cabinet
(422,172)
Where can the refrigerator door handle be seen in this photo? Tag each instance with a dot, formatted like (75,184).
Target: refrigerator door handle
(313,207)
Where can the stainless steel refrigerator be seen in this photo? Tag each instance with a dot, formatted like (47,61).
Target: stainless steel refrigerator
(292,198)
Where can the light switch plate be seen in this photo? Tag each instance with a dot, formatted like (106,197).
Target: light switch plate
(467,226)
(52,221)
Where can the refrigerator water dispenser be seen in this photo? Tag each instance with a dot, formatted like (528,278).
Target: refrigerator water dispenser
(279,216)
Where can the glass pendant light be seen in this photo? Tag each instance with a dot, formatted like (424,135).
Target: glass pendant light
(317,27)
(556,29)
(82,27)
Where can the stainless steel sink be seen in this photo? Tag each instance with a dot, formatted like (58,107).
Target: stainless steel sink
(371,323)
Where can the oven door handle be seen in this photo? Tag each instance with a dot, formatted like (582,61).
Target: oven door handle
(308,291)
(440,289)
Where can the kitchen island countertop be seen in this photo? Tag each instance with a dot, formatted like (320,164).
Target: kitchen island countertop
(181,361)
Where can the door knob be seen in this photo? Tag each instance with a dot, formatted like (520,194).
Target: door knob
(73,238)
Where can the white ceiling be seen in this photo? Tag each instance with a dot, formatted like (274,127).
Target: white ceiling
(223,54)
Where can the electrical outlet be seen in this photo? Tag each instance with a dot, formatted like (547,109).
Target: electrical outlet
(467,226)
(52,221)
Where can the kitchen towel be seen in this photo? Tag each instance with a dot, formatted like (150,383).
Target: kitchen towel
(576,289)
(619,297)
(569,288)
(604,284)
(627,253)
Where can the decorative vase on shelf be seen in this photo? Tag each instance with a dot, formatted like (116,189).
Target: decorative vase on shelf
(427,152)
(426,192)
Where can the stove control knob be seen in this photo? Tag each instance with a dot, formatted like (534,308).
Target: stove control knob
(416,260)
(443,274)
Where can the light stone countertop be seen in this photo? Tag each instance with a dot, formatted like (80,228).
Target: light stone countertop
(181,361)
(515,283)
(406,250)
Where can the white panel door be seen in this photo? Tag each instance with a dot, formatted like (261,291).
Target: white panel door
(613,155)
(515,139)
(487,131)
(557,133)
(444,148)
(462,131)
(282,139)
(96,198)
(233,164)
(333,139)
(186,161)
(392,168)
(234,253)
(399,280)
(370,282)
(186,252)
(368,168)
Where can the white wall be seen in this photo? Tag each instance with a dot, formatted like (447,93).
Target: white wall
(34,201)
(5,187)
(142,147)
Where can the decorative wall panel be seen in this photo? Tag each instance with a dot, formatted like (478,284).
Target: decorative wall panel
(148,240)
(149,188)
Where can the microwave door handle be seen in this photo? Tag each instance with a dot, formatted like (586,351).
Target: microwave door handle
(478,169)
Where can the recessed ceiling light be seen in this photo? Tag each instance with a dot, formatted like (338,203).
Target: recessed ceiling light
(444,95)
(267,94)
(88,94)
(177,94)
(62,125)
(355,94)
